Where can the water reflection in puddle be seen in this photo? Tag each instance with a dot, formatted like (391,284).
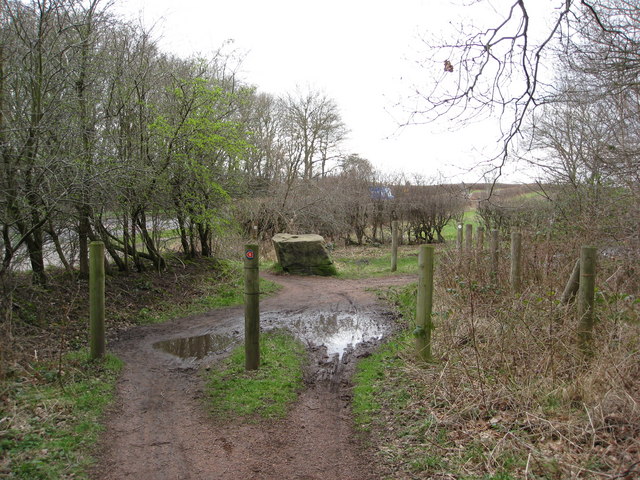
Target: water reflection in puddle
(336,331)
(195,347)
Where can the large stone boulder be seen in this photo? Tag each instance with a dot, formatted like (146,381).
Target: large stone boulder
(303,254)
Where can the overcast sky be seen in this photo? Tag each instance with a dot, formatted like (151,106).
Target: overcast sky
(360,53)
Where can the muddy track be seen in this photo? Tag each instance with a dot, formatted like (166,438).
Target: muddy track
(159,429)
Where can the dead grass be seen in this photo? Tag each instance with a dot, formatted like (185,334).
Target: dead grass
(511,396)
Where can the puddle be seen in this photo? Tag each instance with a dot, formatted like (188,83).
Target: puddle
(336,331)
(195,347)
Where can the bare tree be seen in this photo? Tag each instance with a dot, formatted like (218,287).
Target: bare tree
(357,176)
(313,129)
(425,208)
(263,161)
(102,136)
(505,68)
(35,99)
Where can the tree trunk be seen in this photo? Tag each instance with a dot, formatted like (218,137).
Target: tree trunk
(159,262)
(205,246)
(109,246)
(134,248)
(193,252)
(6,320)
(125,240)
(56,242)
(34,248)
(83,244)
(184,239)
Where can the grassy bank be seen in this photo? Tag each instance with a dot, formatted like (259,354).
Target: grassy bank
(51,421)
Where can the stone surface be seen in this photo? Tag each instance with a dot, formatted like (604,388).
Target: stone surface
(303,254)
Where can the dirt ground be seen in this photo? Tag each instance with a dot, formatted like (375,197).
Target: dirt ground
(159,428)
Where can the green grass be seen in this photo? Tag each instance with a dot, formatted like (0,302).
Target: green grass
(450,231)
(533,195)
(49,427)
(372,390)
(264,393)
(218,294)
(377,262)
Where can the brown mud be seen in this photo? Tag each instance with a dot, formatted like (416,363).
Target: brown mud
(159,429)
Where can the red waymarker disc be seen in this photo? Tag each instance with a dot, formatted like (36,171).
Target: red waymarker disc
(249,254)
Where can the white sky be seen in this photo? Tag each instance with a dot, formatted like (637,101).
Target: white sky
(360,53)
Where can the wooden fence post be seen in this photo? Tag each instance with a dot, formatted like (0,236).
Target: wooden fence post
(96,301)
(459,238)
(468,241)
(586,298)
(394,245)
(494,246)
(424,303)
(516,262)
(251,307)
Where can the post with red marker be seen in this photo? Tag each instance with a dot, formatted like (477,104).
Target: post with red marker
(251,307)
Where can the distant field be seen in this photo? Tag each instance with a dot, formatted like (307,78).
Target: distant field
(450,231)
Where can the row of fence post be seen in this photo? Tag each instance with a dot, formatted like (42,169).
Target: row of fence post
(581,283)
(515,276)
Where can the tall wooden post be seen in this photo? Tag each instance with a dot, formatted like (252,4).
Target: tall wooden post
(516,262)
(251,307)
(586,298)
(424,303)
(468,241)
(96,300)
(459,238)
(494,247)
(394,245)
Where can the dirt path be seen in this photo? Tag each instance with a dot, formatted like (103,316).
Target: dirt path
(159,429)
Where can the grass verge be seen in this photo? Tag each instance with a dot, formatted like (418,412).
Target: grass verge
(373,261)
(263,393)
(50,426)
(376,383)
